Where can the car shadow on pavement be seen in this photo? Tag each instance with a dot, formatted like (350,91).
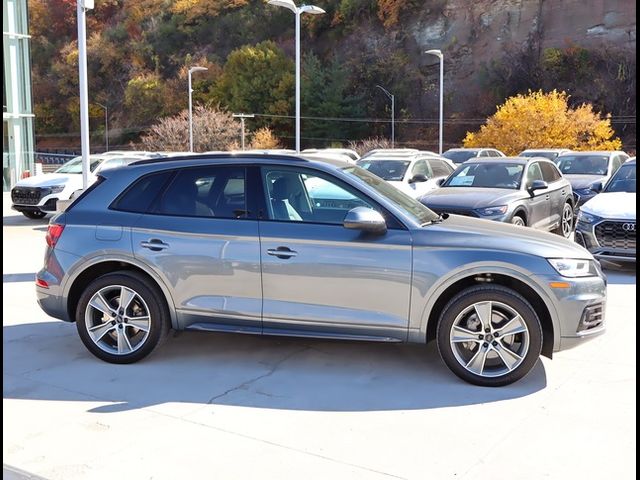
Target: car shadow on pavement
(47,361)
(622,275)
(22,221)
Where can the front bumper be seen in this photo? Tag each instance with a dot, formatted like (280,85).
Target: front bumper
(580,309)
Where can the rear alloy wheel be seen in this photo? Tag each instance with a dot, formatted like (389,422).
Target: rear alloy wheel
(489,336)
(518,221)
(121,318)
(566,221)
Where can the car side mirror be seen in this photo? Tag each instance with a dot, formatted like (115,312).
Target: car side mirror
(596,187)
(537,185)
(365,219)
(440,181)
(418,177)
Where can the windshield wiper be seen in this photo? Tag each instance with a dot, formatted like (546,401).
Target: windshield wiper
(439,219)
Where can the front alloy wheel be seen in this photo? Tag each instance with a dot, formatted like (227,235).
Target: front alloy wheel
(489,336)
(566,224)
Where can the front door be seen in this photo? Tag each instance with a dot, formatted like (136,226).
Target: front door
(540,203)
(200,238)
(320,278)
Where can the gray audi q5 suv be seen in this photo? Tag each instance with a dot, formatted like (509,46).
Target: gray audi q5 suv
(282,245)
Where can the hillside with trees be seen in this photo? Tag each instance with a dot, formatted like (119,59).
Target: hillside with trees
(139,52)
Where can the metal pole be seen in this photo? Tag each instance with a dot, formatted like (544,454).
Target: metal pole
(441,99)
(297,80)
(190,116)
(393,116)
(84,95)
(106,127)
(242,123)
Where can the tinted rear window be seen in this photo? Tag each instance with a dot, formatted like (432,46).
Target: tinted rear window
(139,196)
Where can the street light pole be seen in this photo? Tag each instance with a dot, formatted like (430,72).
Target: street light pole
(298,11)
(191,70)
(242,116)
(393,113)
(439,54)
(82,7)
(106,125)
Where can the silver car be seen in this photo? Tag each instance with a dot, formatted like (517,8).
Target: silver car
(279,245)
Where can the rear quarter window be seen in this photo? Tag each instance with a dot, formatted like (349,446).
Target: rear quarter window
(139,196)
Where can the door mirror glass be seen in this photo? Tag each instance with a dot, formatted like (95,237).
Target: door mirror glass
(596,187)
(440,181)
(365,219)
(418,177)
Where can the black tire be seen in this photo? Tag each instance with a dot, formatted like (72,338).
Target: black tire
(519,220)
(34,214)
(501,295)
(153,301)
(566,221)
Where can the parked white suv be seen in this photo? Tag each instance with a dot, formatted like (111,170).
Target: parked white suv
(37,196)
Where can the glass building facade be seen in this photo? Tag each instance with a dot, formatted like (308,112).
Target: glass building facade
(17,113)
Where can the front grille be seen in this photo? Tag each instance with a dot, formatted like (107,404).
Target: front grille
(619,235)
(27,195)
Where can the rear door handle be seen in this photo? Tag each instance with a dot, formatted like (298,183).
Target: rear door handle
(282,252)
(155,245)
(547,197)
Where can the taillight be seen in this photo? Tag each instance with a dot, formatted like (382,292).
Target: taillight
(53,234)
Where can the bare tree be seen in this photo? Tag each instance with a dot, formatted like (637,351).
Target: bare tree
(368,144)
(213,129)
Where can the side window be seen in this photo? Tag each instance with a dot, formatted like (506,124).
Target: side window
(440,168)
(617,161)
(303,196)
(483,153)
(421,167)
(215,191)
(550,173)
(533,173)
(139,196)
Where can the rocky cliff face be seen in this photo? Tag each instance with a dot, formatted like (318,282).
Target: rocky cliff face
(476,33)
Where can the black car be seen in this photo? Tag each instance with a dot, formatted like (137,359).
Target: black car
(588,171)
(522,191)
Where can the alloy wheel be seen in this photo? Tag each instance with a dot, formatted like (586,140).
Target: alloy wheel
(567,220)
(489,339)
(118,320)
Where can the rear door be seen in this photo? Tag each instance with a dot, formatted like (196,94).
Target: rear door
(320,278)
(201,239)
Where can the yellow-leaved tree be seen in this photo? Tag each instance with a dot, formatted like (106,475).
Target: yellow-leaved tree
(544,120)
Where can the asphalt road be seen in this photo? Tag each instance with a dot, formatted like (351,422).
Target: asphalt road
(219,406)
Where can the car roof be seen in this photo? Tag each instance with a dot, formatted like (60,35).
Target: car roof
(593,152)
(469,149)
(546,150)
(517,160)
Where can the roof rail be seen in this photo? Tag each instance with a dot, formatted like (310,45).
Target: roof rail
(213,156)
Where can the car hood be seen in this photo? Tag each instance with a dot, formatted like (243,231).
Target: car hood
(458,231)
(620,205)
(49,179)
(583,181)
(469,197)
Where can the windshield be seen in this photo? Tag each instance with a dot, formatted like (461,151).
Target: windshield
(624,180)
(75,165)
(583,164)
(549,155)
(460,156)
(390,170)
(411,207)
(487,175)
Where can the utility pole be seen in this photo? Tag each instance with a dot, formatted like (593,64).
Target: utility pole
(242,116)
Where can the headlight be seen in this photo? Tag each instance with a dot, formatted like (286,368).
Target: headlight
(57,188)
(586,217)
(501,210)
(573,267)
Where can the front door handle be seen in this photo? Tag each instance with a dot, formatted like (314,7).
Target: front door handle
(547,197)
(282,252)
(155,245)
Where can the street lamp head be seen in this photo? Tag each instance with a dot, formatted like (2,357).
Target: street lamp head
(312,9)
(198,69)
(437,53)
(284,3)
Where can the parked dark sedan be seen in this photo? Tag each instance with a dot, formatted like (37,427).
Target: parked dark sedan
(588,171)
(522,191)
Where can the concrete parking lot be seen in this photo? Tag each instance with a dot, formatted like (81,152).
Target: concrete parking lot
(236,407)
